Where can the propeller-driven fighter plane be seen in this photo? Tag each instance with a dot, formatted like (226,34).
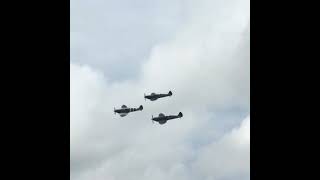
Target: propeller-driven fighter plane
(154,96)
(162,119)
(124,110)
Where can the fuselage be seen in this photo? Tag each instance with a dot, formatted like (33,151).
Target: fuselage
(165,118)
(125,110)
(154,97)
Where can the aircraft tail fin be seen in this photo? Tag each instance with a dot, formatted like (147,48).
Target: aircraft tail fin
(170,93)
(140,108)
(180,114)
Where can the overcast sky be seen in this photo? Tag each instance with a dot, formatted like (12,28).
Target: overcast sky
(121,49)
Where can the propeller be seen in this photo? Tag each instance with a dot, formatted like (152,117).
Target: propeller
(144,96)
(114,110)
(152,120)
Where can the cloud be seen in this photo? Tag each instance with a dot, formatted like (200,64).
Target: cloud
(206,65)
(228,158)
(120,34)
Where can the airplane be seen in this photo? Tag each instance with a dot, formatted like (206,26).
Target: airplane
(124,110)
(154,96)
(162,119)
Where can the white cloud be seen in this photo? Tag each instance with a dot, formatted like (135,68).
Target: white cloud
(119,34)
(206,65)
(227,158)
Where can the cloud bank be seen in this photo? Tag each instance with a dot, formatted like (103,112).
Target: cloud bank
(206,64)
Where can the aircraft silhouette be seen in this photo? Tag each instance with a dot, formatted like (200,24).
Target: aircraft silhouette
(124,110)
(154,96)
(162,119)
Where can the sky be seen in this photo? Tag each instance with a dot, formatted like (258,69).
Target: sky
(121,49)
